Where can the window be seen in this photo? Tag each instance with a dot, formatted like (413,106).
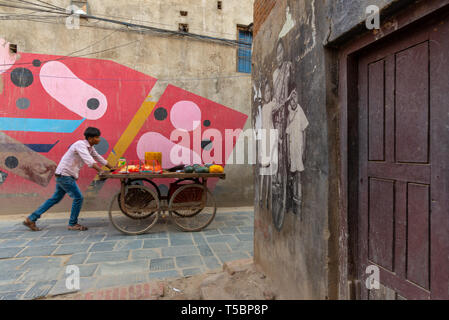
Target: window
(244,51)
(183,27)
(13,48)
(183,13)
(219,5)
(82,5)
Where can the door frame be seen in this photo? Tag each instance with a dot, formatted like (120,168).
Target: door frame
(350,285)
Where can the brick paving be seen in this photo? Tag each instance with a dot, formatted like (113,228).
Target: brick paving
(140,291)
(33,264)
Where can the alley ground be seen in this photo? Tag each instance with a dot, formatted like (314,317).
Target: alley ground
(33,264)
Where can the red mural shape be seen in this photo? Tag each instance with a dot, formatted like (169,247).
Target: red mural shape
(95,93)
(25,97)
(163,121)
(211,116)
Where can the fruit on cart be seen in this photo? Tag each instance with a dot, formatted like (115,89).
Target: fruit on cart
(147,168)
(133,168)
(216,169)
(200,169)
(122,170)
(188,169)
(155,166)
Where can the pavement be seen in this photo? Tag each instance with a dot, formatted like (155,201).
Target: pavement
(34,264)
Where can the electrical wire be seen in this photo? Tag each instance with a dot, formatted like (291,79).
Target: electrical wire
(52,5)
(161,24)
(131,25)
(132,19)
(34,4)
(36,19)
(67,56)
(71,57)
(9,5)
(26,17)
(142,80)
(91,45)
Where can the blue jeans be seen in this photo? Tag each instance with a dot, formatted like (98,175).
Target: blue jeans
(63,185)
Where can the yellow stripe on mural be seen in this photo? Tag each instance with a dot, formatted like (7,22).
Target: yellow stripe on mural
(125,140)
(131,131)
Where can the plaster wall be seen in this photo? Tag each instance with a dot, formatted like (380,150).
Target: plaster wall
(206,69)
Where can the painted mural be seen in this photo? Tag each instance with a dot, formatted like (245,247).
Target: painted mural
(277,106)
(46,103)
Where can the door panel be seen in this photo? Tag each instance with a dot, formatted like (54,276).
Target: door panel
(403,163)
(376,111)
(381,222)
(412,104)
(418,242)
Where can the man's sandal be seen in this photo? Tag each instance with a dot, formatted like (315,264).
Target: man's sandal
(77,227)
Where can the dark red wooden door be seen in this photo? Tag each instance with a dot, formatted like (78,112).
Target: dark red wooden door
(403,162)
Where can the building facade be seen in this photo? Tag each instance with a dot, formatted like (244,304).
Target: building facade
(138,70)
(352,200)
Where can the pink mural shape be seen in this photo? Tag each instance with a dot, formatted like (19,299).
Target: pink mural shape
(7,59)
(72,92)
(185,115)
(157,142)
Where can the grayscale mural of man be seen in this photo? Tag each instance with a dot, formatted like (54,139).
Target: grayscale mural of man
(296,140)
(281,108)
(268,145)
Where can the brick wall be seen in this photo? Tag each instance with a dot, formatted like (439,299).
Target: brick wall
(262,9)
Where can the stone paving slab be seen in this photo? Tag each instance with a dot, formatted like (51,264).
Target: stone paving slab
(10,276)
(125,279)
(34,264)
(123,267)
(40,289)
(162,264)
(155,243)
(139,291)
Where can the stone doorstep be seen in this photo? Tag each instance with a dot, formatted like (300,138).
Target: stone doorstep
(140,291)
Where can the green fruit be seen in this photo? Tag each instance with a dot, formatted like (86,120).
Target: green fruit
(208,165)
(201,170)
(188,169)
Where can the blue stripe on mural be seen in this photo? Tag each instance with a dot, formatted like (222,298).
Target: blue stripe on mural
(39,125)
(43,148)
(3,176)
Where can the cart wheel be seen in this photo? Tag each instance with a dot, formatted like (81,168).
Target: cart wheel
(136,195)
(192,207)
(146,183)
(139,213)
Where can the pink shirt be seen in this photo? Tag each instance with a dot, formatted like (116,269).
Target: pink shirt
(79,153)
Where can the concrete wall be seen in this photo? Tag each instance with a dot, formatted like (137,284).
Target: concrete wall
(297,221)
(139,75)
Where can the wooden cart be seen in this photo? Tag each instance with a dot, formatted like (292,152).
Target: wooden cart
(139,204)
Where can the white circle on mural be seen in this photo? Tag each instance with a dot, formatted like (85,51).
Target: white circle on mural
(185,115)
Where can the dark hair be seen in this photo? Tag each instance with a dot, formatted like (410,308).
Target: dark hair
(92,132)
(266,83)
(292,86)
